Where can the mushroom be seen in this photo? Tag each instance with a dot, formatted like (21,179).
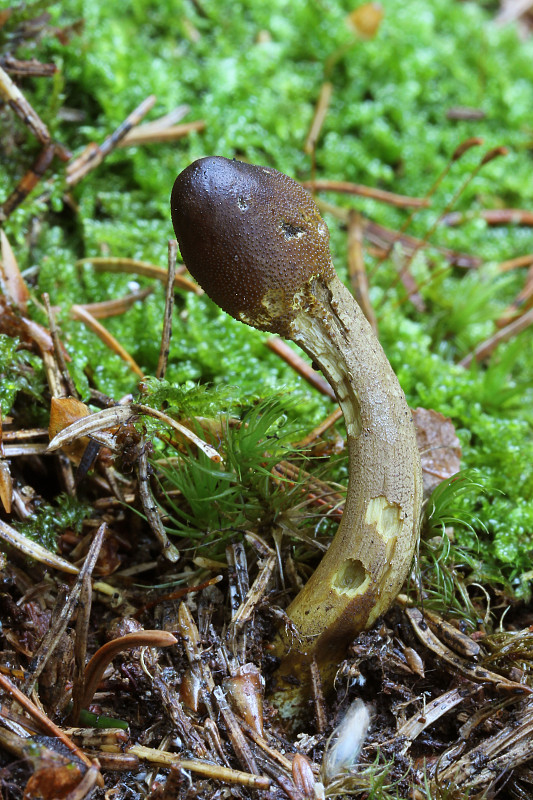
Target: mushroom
(255,241)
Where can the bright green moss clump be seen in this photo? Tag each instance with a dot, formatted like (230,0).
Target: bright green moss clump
(67,513)
(20,371)
(253,72)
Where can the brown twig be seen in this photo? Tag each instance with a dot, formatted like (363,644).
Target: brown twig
(29,180)
(131,266)
(103,657)
(240,746)
(522,302)
(515,263)
(94,154)
(511,330)
(80,313)
(84,601)
(299,365)
(200,670)
(172,117)
(51,368)
(123,414)
(24,449)
(116,762)
(386,238)
(239,586)
(113,308)
(448,633)
(356,267)
(13,284)
(12,741)
(495,756)
(317,491)
(321,110)
(176,595)
(58,349)
(169,305)
(43,721)
(474,672)
(34,550)
(492,216)
(213,771)
(170,551)
(255,594)
(261,742)
(431,712)
(320,429)
(67,607)
(180,721)
(381,195)
(23,435)
(113,739)
(36,69)
(496,152)
(465,113)
(319,703)
(12,95)
(6,484)
(509,12)
(80,644)
(155,135)
(183,430)
(458,153)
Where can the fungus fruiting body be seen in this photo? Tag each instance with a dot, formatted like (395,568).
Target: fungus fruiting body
(255,241)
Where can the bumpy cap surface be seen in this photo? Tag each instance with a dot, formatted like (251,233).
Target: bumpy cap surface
(252,237)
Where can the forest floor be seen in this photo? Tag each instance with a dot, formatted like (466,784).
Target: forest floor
(150,553)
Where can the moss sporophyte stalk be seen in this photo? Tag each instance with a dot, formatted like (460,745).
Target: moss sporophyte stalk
(255,241)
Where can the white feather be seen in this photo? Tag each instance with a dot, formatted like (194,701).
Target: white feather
(346,741)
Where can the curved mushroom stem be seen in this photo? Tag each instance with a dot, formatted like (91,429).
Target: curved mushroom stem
(369,558)
(255,241)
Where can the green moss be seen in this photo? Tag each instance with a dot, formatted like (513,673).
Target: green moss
(9,381)
(253,71)
(20,371)
(217,500)
(51,520)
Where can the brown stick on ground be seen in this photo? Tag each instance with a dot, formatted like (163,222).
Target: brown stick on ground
(321,110)
(80,313)
(169,305)
(356,267)
(45,722)
(484,349)
(492,216)
(98,663)
(299,365)
(383,196)
(94,154)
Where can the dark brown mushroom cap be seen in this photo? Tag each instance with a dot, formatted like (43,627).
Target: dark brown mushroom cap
(252,237)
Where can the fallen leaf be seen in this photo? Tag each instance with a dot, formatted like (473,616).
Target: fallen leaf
(440,449)
(63,412)
(54,778)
